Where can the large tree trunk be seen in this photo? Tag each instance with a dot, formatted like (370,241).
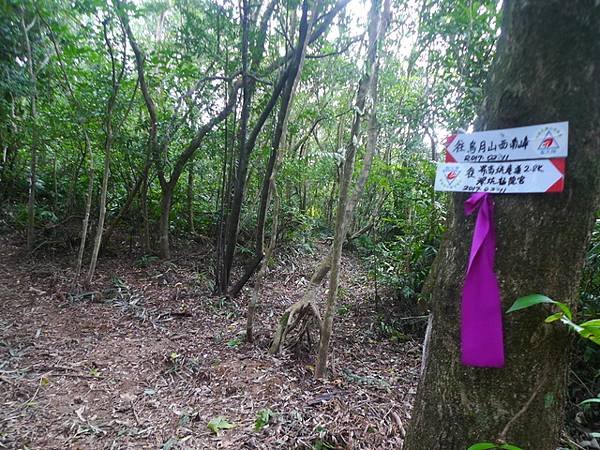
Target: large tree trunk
(547,70)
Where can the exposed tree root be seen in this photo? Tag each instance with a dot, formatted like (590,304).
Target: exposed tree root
(302,311)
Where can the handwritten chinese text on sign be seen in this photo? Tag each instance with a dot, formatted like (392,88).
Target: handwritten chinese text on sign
(529,176)
(537,141)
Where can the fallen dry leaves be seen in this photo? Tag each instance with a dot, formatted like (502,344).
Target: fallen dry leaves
(148,357)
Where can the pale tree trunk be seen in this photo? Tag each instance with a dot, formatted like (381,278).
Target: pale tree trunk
(108,141)
(34,134)
(367,88)
(159,148)
(103,194)
(540,76)
(306,306)
(88,206)
(88,152)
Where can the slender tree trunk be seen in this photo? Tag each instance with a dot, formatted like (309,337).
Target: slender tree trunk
(309,296)
(141,179)
(248,146)
(190,197)
(102,212)
(163,224)
(243,154)
(367,87)
(88,206)
(539,77)
(279,137)
(240,181)
(144,206)
(34,134)
(223,207)
(108,141)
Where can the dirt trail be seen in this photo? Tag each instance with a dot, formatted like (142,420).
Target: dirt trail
(151,358)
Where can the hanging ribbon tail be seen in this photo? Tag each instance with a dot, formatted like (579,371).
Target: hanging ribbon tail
(482,343)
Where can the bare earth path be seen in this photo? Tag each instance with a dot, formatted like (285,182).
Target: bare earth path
(150,358)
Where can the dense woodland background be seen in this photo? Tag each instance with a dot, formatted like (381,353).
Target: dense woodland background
(150,129)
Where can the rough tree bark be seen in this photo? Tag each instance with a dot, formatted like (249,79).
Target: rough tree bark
(547,70)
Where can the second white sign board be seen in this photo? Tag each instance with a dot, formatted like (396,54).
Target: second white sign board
(517,177)
(549,140)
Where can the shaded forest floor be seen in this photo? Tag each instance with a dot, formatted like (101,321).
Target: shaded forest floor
(150,357)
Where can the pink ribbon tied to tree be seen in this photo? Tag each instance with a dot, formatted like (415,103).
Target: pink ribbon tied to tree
(482,343)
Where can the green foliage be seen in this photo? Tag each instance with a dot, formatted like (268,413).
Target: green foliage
(219,423)
(404,244)
(588,330)
(536,299)
(263,417)
(145,261)
(489,445)
(233,343)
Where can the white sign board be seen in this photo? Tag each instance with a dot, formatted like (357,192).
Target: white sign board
(541,175)
(537,141)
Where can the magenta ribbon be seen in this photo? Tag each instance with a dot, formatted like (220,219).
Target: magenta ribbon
(482,343)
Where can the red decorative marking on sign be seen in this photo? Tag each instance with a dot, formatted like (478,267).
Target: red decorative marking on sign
(451,176)
(447,142)
(547,142)
(559,186)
